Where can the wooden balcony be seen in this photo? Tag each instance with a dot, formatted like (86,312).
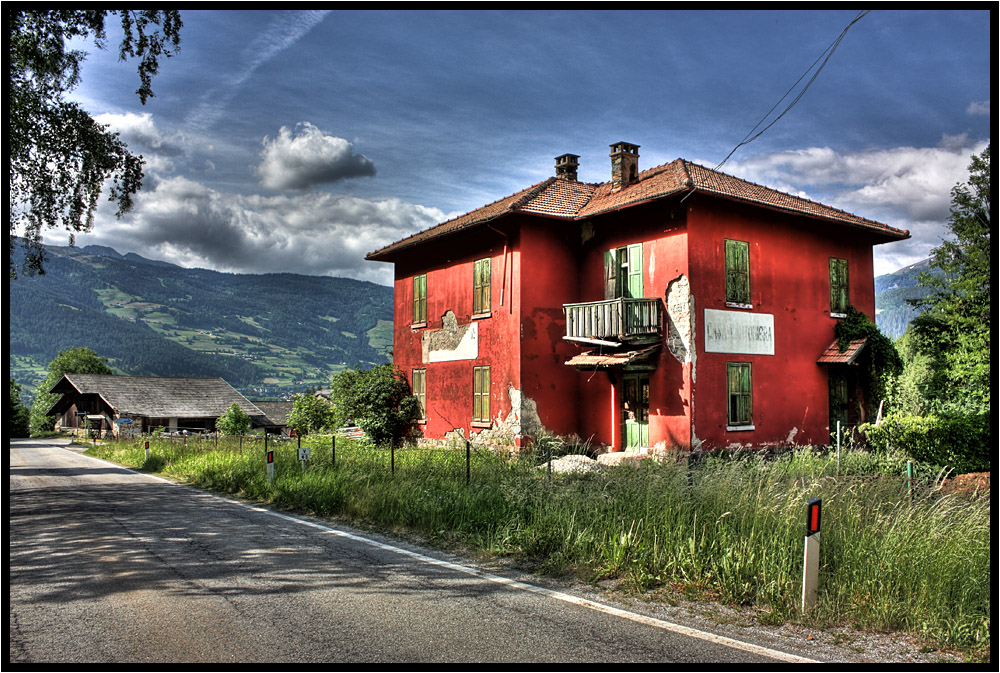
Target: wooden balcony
(614,321)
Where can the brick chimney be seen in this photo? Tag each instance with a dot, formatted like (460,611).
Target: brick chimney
(624,165)
(566,166)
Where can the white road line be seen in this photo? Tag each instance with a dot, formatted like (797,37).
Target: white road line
(557,595)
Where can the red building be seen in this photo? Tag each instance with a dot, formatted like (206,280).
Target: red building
(675,307)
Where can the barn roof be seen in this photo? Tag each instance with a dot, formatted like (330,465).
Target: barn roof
(153,396)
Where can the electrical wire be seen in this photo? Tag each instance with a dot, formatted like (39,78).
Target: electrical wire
(828,52)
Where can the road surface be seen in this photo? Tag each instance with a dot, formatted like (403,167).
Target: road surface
(107,565)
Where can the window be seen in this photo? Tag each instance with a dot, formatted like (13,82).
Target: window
(481,287)
(420,299)
(419,385)
(623,272)
(481,394)
(738,273)
(839,293)
(740,395)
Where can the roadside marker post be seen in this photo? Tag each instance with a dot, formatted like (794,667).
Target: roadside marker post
(270,465)
(810,561)
(147,449)
(304,456)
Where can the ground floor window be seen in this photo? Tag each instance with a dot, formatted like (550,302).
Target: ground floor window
(740,384)
(481,394)
(418,383)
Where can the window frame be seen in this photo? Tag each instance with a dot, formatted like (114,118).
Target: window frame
(482,287)
(419,300)
(481,395)
(419,390)
(737,279)
(741,396)
(623,272)
(840,287)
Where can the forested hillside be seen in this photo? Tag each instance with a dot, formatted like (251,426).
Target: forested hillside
(892,310)
(266,334)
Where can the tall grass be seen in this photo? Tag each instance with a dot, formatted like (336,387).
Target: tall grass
(730,528)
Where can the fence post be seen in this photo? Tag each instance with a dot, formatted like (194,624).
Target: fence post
(909,480)
(392,458)
(468,460)
(838,448)
(333,450)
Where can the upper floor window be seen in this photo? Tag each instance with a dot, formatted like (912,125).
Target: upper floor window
(738,273)
(420,299)
(839,289)
(623,272)
(481,287)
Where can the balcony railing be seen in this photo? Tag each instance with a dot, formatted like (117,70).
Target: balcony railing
(614,320)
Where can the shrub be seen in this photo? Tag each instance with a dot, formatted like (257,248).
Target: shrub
(378,400)
(960,441)
(234,422)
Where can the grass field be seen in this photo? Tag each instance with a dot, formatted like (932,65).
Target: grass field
(894,557)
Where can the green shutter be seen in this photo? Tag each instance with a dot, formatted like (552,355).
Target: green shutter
(737,272)
(610,275)
(635,270)
(740,393)
(481,393)
(481,287)
(839,287)
(419,299)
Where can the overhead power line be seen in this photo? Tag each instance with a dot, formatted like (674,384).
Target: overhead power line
(824,57)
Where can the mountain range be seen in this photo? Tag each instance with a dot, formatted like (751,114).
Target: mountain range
(268,335)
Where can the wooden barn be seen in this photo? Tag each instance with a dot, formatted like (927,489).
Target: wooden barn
(132,405)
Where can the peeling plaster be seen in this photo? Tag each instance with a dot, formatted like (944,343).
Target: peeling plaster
(680,319)
(451,342)
(522,421)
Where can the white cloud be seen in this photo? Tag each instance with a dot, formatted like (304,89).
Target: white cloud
(905,187)
(308,157)
(978,108)
(182,221)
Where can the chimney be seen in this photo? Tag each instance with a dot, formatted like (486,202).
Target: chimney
(566,166)
(624,165)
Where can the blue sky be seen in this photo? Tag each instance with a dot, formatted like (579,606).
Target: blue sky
(299,141)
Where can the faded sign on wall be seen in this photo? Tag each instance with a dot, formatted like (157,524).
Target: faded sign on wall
(739,332)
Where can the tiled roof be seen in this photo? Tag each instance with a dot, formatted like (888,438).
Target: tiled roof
(568,199)
(157,397)
(834,356)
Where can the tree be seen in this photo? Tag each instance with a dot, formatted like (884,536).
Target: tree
(72,361)
(961,298)
(59,157)
(18,415)
(378,400)
(310,414)
(234,422)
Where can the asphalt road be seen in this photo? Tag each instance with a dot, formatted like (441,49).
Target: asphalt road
(110,566)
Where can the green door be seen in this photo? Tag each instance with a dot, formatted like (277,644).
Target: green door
(635,410)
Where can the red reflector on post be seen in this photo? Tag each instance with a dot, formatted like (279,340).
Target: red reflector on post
(813,515)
